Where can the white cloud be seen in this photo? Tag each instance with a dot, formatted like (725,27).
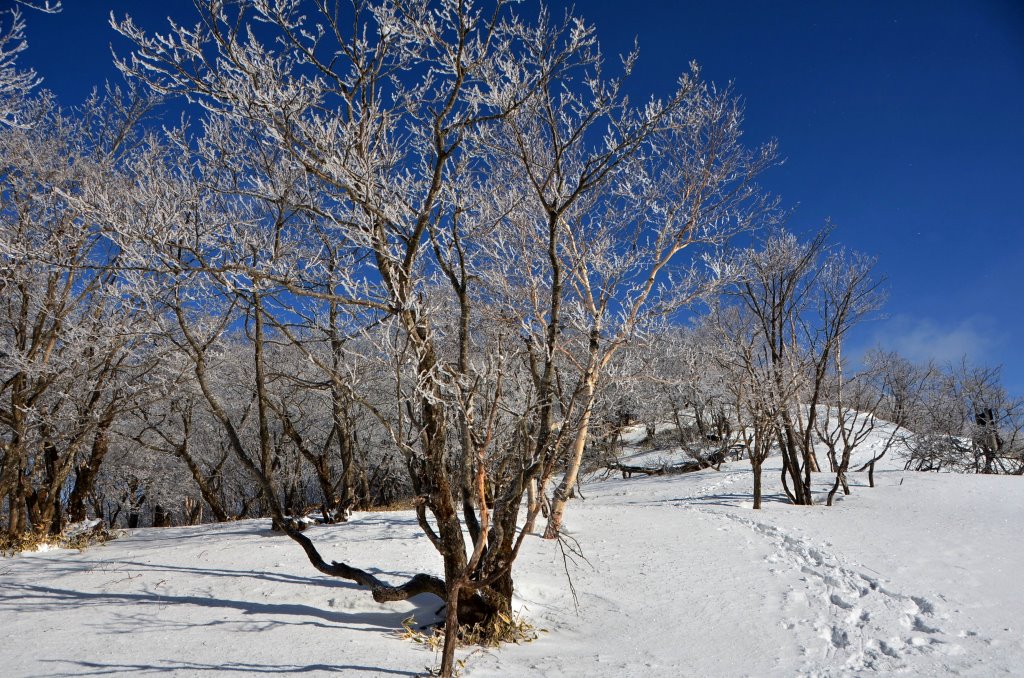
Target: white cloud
(922,339)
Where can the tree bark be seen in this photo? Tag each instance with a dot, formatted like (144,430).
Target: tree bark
(561,495)
(757,482)
(85,476)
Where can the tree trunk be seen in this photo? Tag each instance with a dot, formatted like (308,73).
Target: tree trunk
(840,477)
(801,493)
(561,496)
(161,518)
(86,474)
(757,481)
(208,493)
(531,496)
(340,505)
(451,624)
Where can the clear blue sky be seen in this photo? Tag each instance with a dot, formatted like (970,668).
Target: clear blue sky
(902,121)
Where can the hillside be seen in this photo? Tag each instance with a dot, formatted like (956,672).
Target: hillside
(919,575)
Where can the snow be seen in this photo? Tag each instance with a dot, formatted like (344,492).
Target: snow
(919,575)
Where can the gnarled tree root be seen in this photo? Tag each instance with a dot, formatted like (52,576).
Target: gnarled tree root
(473,608)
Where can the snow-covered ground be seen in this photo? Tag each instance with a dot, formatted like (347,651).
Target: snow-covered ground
(923,574)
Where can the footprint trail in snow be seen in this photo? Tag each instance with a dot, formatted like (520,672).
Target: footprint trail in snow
(853,612)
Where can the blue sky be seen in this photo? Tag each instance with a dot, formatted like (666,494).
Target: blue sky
(902,121)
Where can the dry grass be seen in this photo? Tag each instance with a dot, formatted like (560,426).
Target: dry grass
(397,505)
(75,536)
(504,629)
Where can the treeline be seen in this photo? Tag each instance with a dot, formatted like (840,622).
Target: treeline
(128,371)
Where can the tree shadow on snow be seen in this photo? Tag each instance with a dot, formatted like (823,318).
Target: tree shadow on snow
(728,500)
(127,569)
(734,500)
(87,668)
(151,612)
(27,598)
(393,526)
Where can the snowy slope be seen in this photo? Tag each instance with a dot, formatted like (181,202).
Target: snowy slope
(920,575)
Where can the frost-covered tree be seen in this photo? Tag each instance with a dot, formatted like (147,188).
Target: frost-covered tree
(968,423)
(70,336)
(613,229)
(430,138)
(15,83)
(847,419)
(695,389)
(756,392)
(900,389)
(802,298)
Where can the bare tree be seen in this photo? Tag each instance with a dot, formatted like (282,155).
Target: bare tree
(804,299)
(968,424)
(73,360)
(429,140)
(847,420)
(756,391)
(696,388)
(16,84)
(901,389)
(381,129)
(614,221)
